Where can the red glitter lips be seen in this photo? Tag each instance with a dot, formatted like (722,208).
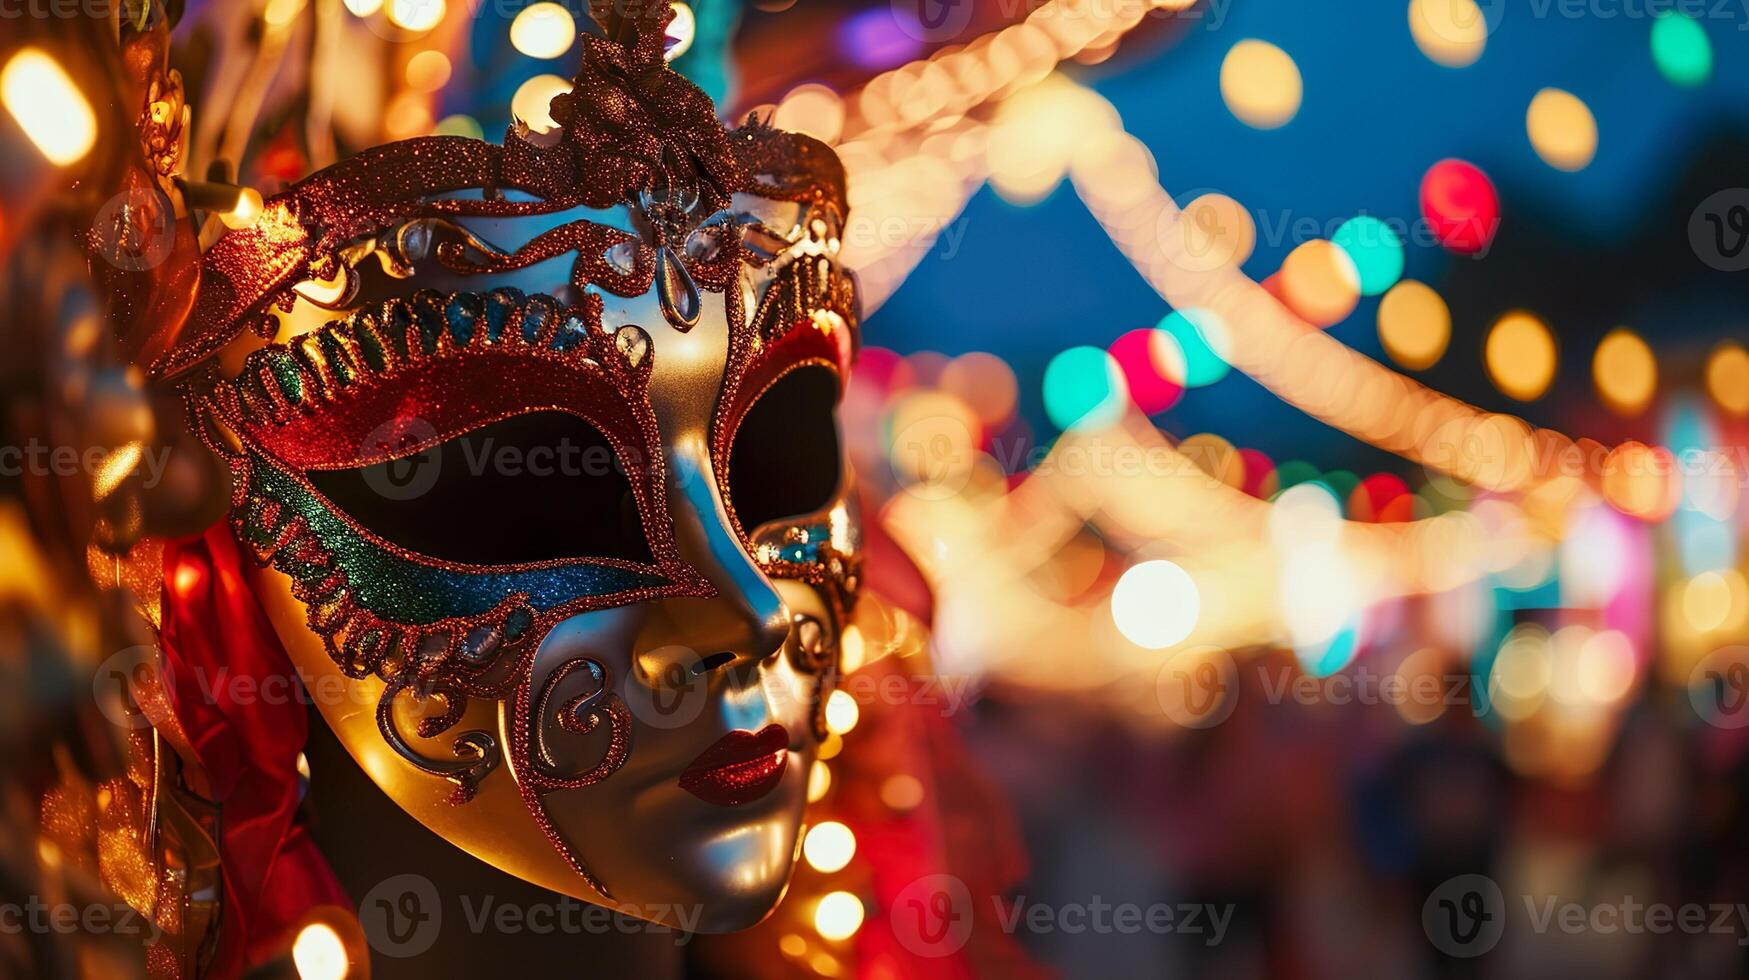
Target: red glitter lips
(739,768)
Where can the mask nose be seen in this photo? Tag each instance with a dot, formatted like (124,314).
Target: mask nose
(708,541)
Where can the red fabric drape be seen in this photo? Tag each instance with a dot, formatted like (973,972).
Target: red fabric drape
(238,697)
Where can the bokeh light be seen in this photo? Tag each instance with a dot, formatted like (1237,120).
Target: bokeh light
(1217,231)
(813,109)
(1452,33)
(1376,251)
(1202,341)
(319,954)
(1521,356)
(1261,84)
(838,915)
(1680,49)
(363,8)
(1153,366)
(48,106)
(1460,205)
(829,846)
(1625,372)
(416,15)
(1562,130)
(1083,388)
(1414,325)
(1155,604)
(543,30)
(985,383)
(1319,283)
(428,71)
(533,99)
(1727,377)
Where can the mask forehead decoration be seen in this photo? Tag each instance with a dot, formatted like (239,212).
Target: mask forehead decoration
(661,211)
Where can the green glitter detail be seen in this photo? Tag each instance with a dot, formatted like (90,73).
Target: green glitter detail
(402,591)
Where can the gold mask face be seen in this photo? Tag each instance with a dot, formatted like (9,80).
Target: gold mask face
(552,509)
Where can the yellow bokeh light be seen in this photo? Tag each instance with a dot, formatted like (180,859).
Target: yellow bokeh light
(1727,377)
(416,15)
(813,109)
(819,781)
(363,8)
(1217,231)
(1261,84)
(838,915)
(428,71)
(1606,666)
(829,846)
(532,100)
(280,13)
(1625,372)
(1562,130)
(1414,325)
(543,30)
(841,712)
(985,384)
(319,954)
(48,106)
(1521,356)
(1452,33)
(1642,481)
(1707,602)
(1320,283)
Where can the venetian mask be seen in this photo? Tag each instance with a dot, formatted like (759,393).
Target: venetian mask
(550,506)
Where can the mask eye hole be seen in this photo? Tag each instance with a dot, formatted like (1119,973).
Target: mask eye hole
(543,486)
(784,462)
